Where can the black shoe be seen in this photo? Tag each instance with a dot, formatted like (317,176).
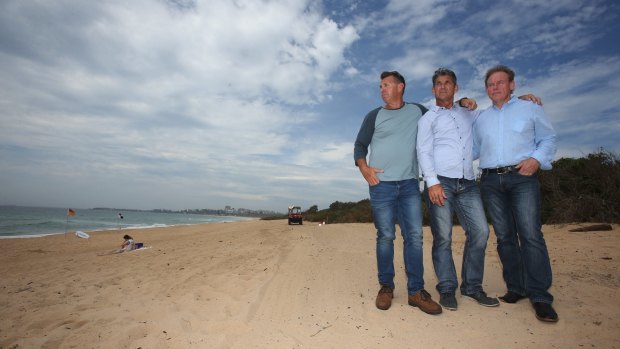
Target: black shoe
(482,299)
(448,301)
(545,312)
(511,297)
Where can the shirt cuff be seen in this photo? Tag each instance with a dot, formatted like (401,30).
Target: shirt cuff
(430,181)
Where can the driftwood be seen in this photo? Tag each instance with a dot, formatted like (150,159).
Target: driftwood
(594,227)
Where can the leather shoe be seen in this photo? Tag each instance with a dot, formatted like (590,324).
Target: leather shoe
(511,297)
(545,312)
(384,298)
(423,300)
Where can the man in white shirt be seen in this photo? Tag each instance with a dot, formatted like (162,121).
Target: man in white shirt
(444,148)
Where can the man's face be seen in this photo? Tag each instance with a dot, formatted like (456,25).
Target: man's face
(499,88)
(391,89)
(444,88)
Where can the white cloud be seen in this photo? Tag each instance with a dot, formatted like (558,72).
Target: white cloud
(578,91)
(145,88)
(579,97)
(189,104)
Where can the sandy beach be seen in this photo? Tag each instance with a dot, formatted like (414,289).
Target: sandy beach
(265,284)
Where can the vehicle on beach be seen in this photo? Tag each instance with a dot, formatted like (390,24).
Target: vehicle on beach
(295,215)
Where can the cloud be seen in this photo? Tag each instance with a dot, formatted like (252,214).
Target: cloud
(192,104)
(579,94)
(145,90)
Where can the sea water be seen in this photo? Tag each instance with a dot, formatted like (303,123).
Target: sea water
(17,221)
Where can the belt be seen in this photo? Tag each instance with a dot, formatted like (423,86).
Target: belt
(499,170)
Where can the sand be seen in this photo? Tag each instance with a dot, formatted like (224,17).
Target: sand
(265,284)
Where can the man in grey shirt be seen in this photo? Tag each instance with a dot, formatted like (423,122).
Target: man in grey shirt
(392,175)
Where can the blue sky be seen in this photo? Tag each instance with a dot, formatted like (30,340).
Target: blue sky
(256,104)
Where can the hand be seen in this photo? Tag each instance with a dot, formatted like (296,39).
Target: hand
(468,103)
(532,98)
(528,167)
(437,195)
(370,174)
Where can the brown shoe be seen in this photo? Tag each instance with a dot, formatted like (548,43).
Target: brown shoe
(384,298)
(423,301)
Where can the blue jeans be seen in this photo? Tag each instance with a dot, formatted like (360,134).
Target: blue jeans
(463,197)
(513,203)
(393,201)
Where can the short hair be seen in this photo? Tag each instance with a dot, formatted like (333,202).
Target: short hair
(127,237)
(443,72)
(396,75)
(499,68)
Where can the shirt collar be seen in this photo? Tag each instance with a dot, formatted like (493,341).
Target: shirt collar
(437,108)
(510,101)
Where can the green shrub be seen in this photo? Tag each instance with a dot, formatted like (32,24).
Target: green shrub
(574,191)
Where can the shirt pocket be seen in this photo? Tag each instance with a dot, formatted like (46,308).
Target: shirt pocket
(521,126)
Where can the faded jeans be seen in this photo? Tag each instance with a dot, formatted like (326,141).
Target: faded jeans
(393,201)
(463,197)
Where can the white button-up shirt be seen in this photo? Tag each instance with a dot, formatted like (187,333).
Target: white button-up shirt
(444,143)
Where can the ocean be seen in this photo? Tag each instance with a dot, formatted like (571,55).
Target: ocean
(18,221)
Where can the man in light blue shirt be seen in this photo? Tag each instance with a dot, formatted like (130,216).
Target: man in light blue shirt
(514,139)
(444,148)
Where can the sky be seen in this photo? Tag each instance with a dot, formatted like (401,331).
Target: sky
(185,104)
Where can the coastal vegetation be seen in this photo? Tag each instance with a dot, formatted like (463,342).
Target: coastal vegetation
(582,190)
(578,190)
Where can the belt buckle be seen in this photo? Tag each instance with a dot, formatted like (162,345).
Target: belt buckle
(503,170)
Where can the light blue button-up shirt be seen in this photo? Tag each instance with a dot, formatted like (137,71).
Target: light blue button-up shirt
(516,132)
(444,143)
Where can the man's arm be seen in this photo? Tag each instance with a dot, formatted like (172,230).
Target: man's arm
(424,148)
(369,173)
(470,103)
(362,142)
(426,159)
(532,98)
(546,139)
(364,136)
(546,144)
(475,151)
